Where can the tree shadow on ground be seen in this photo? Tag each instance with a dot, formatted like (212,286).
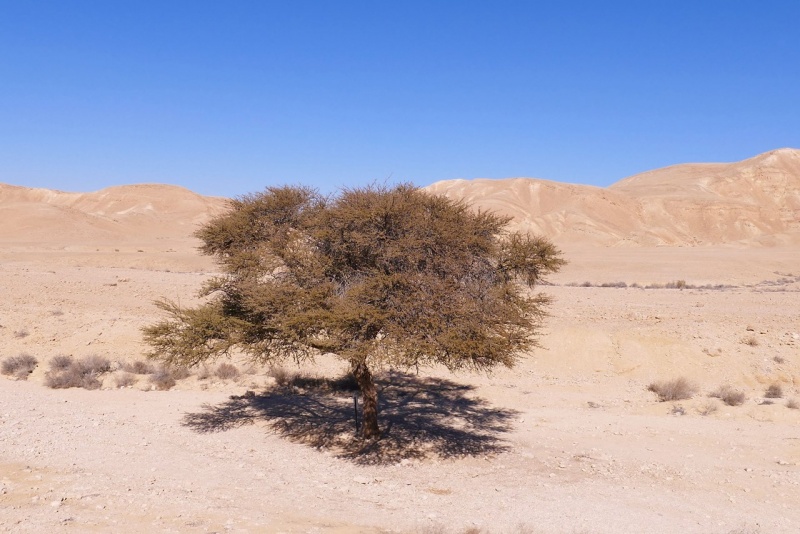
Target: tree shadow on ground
(419,417)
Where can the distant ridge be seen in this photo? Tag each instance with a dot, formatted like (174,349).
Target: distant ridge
(755,202)
(751,202)
(117,213)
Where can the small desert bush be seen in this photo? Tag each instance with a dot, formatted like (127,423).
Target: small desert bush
(180,372)
(774,391)
(672,390)
(162,379)
(95,364)
(61,362)
(779,359)
(707,408)
(793,404)
(729,395)
(85,373)
(281,375)
(226,371)
(751,341)
(139,367)
(125,379)
(21,333)
(19,366)
(203,372)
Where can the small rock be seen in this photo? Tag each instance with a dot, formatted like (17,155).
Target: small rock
(361,480)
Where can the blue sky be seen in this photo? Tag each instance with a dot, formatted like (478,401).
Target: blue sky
(227,97)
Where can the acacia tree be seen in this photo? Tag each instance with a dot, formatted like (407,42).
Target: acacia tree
(377,276)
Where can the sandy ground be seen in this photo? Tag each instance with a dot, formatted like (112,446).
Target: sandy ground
(569,441)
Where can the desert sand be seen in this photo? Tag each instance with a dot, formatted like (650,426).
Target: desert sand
(569,441)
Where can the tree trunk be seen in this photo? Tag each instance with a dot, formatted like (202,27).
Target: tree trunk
(369,396)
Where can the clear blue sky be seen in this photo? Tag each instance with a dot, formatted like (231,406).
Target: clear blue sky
(227,97)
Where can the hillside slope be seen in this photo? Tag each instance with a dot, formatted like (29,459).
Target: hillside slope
(752,202)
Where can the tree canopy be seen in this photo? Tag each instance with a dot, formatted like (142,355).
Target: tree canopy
(377,276)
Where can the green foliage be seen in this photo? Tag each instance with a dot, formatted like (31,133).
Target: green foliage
(374,275)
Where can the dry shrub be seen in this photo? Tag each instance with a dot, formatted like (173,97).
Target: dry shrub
(67,373)
(729,395)
(95,364)
(203,372)
(19,366)
(125,380)
(227,371)
(774,391)
(61,362)
(281,375)
(139,367)
(162,379)
(779,359)
(751,341)
(21,333)
(708,408)
(793,404)
(672,390)
(180,372)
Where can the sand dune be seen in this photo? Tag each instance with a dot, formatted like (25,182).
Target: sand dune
(752,202)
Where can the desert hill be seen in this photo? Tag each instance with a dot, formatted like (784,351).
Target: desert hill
(752,202)
(114,214)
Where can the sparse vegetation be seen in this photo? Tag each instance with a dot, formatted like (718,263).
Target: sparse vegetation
(730,395)
(226,371)
(21,333)
(139,367)
(779,359)
(708,408)
(19,366)
(793,404)
(68,373)
(774,391)
(162,379)
(61,362)
(125,379)
(672,390)
(180,372)
(751,341)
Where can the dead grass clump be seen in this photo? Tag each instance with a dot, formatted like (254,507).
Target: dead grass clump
(751,341)
(677,284)
(68,373)
(203,373)
(226,371)
(672,390)
(125,380)
(162,379)
(139,367)
(21,333)
(793,404)
(779,359)
(19,366)
(729,395)
(774,391)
